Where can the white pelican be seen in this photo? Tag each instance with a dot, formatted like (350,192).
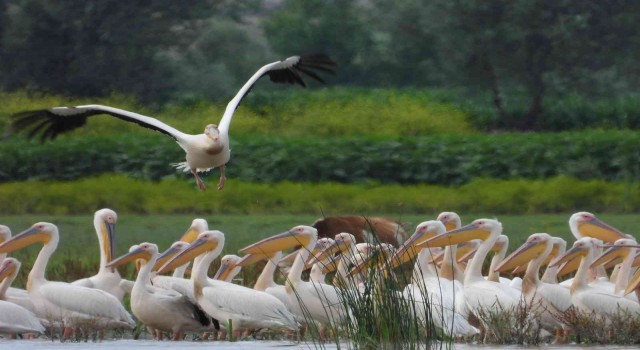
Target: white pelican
(550,274)
(479,293)
(107,279)
(320,302)
(265,281)
(584,224)
(587,297)
(69,303)
(203,151)
(156,308)
(15,295)
(247,308)
(13,317)
(547,300)
(229,268)
(344,244)
(442,295)
(624,248)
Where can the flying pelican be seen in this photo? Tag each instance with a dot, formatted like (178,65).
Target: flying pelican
(70,303)
(547,300)
(479,293)
(13,317)
(247,308)
(160,309)
(320,302)
(586,297)
(203,151)
(442,295)
(107,279)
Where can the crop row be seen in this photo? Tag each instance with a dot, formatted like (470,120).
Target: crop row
(172,196)
(439,159)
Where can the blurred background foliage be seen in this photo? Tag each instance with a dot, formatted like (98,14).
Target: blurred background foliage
(444,97)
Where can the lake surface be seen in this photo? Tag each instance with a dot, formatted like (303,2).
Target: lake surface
(42,344)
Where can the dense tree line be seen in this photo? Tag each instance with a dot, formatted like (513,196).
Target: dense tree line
(514,54)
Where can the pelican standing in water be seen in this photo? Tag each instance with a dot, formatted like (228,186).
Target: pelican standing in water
(203,151)
(224,301)
(13,317)
(65,302)
(156,308)
(107,279)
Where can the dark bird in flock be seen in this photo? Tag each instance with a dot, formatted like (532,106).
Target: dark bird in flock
(203,151)
(365,229)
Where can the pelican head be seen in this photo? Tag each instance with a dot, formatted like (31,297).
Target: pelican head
(300,235)
(411,247)
(580,249)
(143,251)
(165,256)
(478,229)
(197,227)
(228,267)
(212,132)
(41,232)
(9,268)
(450,220)
(206,242)
(619,250)
(377,255)
(537,244)
(342,243)
(584,224)
(105,222)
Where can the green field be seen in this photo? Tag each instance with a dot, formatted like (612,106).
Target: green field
(77,254)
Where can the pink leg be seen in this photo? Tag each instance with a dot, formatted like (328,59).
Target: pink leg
(223,178)
(199,182)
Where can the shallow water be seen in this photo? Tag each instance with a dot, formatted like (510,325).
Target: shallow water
(42,344)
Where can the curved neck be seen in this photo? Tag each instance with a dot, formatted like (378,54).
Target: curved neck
(497,259)
(265,280)
(36,275)
(582,275)
(179,272)
(295,273)
(144,274)
(622,280)
(449,268)
(6,283)
(424,267)
(474,269)
(316,274)
(531,278)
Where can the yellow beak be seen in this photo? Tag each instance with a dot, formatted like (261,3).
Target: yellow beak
(7,270)
(462,234)
(224,271)
(24,239)
(196,248)
(598,229)
(527,252)
(251,259)
(574,252)
(409,249)
(277,243)
(164,257)
(613,253)
(634,282)
(135,254)
(108,232)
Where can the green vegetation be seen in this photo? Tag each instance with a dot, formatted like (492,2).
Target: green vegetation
(171,196)
(437,159)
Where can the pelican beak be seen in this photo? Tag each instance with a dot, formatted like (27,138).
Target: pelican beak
(410,249)
(462,234)
(108,232)
(135,254)
(277,243)
(199,246)
(7,270)
(554,252)
(613,253)
(598,229)
(569,266)
(327,253)
(251,259)
(164,257)
(190,236)
(24,239)
(527,252)
(224,271)
(470,252)
(574,252)
(634,282)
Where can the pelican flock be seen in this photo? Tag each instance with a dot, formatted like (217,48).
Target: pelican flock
(446,283)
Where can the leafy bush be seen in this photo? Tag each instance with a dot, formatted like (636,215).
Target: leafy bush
(439,159)
(182,197)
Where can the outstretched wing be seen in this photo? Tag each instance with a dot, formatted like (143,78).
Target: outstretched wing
(290,70)
(49,123)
